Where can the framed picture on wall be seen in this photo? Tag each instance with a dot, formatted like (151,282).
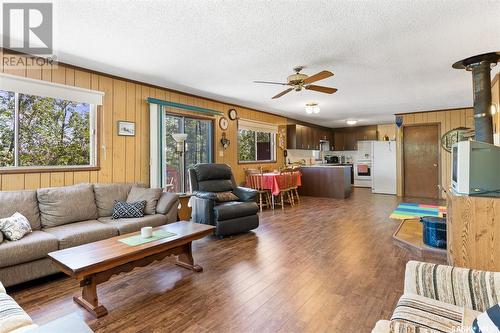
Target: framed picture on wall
(126,128)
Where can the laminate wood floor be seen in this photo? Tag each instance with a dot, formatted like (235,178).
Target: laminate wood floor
(325,265)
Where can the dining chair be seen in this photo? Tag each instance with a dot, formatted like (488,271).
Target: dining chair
(285,183)
(295,185)
(256,181)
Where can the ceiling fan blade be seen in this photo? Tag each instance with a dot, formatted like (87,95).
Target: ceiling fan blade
(269,82)
(319,76)
(282,93)
(326,90)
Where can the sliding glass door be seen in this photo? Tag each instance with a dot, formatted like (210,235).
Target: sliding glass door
(197,149)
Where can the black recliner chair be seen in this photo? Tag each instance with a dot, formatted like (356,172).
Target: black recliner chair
(219,202)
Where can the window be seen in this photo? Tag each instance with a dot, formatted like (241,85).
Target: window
(40,131)
(256,142)
(197,149)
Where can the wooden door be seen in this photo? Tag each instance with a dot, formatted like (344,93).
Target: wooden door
(421,161)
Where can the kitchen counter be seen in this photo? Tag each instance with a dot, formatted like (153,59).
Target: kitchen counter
(326,180)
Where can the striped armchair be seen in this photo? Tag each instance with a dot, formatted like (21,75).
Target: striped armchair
(440,298)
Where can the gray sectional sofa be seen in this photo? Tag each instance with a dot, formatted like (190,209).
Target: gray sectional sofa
(63,217)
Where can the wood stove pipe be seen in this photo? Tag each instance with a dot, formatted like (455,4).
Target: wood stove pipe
(480,65)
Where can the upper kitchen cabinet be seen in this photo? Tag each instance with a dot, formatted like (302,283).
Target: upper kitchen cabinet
(347,138)
(307,137)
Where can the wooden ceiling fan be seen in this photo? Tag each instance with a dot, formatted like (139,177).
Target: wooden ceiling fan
(300,81)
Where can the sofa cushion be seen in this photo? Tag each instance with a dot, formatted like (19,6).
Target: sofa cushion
(473,289)
(12,316)
(31,247)
(62,205)
(428,313)
(24,202)
(15,227)
(79,233)
(166,201)
(232,210)
(126,226)
(150,195)
(106,194)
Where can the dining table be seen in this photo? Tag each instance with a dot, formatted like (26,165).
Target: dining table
(271,181)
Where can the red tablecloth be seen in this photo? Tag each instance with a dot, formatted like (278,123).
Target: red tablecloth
(270,181)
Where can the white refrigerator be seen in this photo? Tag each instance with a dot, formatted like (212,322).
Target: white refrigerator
(384,167)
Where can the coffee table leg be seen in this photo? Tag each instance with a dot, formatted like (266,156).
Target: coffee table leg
(186,260)
(89,300)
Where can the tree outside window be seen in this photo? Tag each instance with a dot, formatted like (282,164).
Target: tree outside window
(254,146)
(50,132)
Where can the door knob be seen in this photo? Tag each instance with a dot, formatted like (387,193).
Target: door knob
(435,164)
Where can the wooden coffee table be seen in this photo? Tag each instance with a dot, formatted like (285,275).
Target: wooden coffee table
(96,262)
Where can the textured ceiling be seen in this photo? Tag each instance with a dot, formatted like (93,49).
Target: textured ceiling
(387,56)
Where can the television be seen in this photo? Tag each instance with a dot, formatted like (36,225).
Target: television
(475,168)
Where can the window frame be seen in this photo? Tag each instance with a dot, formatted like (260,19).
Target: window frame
(94,165)
(273,147)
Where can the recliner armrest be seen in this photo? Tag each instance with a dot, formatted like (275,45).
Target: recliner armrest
(246,194)
(205,195)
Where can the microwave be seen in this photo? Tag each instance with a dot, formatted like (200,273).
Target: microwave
(475,168)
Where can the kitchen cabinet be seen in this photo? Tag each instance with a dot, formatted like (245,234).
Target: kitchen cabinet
(307,137)
(347,138)
(338,140)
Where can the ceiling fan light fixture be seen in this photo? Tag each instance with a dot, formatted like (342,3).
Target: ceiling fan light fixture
(312,108)
(351,122)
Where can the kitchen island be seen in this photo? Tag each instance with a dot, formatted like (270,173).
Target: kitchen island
(326,180)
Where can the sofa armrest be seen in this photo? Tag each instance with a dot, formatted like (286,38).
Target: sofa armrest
(473,289)
(166,201)
(246,194)
(205,195)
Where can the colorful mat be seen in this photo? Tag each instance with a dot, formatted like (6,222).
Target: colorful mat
(413,210)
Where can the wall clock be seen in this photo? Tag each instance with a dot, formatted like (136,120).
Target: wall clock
(223,123)
(232,114)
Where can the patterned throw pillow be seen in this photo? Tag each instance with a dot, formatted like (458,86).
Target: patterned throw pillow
(488,321)
(225,197)
(15,227)
(128,209)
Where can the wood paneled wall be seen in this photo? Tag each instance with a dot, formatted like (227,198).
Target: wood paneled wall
(126,159)
(386,129)
(447,119)
(495,97)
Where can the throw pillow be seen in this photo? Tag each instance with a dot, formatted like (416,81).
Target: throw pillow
(128,209)
(488,321)
(150,195)
(225,197)
(15,227)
